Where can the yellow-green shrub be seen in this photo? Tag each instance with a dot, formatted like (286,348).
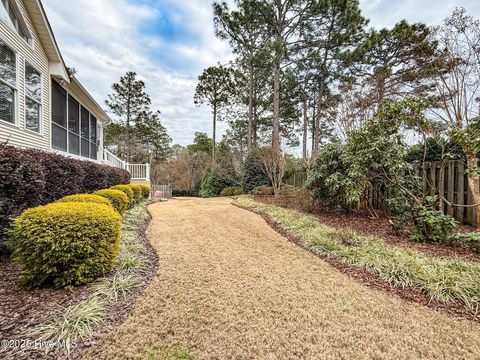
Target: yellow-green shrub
(145,190)
(91,198)
(137,192)
(127,190)
(118,199)
(66,243)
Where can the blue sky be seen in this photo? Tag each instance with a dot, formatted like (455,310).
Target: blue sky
(169,42)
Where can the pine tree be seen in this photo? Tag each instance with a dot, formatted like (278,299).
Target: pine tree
(129,102)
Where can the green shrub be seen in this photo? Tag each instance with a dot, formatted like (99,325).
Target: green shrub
(65,244)
(183,193)
(127,190)
(145,190)
(118,199)
(433,226)
(137,193)
(214,181)
(89,198)
(263,190)
(232,191)
(254,173)
(470,239)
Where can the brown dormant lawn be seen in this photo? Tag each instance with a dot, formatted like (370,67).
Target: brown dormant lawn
(229,287)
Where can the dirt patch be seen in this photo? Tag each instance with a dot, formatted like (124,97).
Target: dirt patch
(24,309)
(364,224)
(231,287)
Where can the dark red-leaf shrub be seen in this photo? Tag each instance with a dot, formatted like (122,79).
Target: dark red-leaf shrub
(95,177)
(22,184)
(63,176)
(116,176)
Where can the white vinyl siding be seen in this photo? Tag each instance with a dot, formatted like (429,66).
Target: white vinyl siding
(27,53)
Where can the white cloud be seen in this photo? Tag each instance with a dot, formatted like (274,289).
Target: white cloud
(102,39)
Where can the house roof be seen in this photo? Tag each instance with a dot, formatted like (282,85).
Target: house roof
(45,34)
(81,94)
(57,66)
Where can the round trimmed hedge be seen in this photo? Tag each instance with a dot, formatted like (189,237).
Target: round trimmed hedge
(137,192)
(127,190)
(89,198)
(118,198)
(65,243)
(145,190)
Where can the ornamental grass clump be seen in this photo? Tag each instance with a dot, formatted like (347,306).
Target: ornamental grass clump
(118,199)
(440,279)
(65,244)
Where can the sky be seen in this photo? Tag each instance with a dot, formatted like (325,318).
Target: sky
(169,42)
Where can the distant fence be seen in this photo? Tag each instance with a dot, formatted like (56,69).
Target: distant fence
(451,182)
(164,190)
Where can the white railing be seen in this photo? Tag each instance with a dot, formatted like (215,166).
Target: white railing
(138,171)
(113,160)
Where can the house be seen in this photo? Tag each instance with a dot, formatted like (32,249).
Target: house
(42,105)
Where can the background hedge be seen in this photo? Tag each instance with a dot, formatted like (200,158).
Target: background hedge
(22,184)
(137,192)
(57,169)
(88,198)
(30,177)
(127,190)
(65,244)
(118,198)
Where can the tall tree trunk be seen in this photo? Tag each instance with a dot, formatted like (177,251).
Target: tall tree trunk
(250,107)
(276,104)
(314,114)
(474,185)
(318,116)
(214,133)
(305,126)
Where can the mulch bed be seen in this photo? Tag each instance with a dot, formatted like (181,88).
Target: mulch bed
(363,223)
(23,309)
(454,309)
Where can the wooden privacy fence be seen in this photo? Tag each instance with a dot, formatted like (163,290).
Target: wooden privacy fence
(450,182)
(165,190)
(298,179)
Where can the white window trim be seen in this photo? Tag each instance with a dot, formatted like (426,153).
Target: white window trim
(40,120)
(29,41)
(16,122)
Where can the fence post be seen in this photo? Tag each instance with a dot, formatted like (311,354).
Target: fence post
(147,172)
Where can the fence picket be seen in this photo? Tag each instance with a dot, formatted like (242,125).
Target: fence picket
(451,183)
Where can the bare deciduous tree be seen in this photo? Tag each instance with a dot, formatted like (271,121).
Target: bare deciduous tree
(274,163)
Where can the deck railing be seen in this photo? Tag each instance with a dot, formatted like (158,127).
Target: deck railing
(139,172)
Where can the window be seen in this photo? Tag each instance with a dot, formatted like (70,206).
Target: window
(59,117)
(73,126)
(8,83)
(93,137)
(74,129)
(33,99)
(85,128)
(8,14)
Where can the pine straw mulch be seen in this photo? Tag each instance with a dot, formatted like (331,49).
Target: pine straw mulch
(361,222)
(455,309)
(23,309)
